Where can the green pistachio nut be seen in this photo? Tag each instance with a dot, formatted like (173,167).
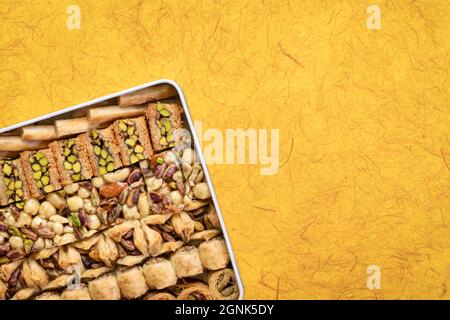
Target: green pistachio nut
(77,167)
(67,165)
(45,180)
(110,167)
(123,126)
(97,150)
(7,169)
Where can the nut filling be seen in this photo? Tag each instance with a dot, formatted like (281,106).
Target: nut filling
(129,133)
(41,174)
(103,154)
(71,162)
(13,184)
(165,127)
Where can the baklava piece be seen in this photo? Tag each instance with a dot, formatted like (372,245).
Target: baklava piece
(214,254)
(72,161)
(164,121)
(13,185)
(80,293)
(159,273)
(133,140)
(40,172)
(104,288)
(186,262)
(132,283)
(102,149)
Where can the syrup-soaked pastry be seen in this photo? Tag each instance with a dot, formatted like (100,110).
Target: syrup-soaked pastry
(164,119)
(159,273)
(101,146)
(214,254)
(72,160)
(133,140)
(132,283)
(13,184)
(186,262)
(105,288)
(40,172)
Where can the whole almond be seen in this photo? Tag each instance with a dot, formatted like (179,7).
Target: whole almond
(112,190)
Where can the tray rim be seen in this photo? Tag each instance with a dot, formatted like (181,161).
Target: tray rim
(196,146)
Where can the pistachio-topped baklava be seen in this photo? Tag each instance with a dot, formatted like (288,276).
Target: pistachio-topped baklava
(13,185)
(102,149)
(164,119)
(133,140)
(40,172)
(72,161)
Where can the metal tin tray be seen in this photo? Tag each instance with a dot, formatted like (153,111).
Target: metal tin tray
(79,110)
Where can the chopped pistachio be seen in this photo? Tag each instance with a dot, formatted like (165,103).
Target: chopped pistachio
(110,167)
(134,158)
(122,126)
(164,113)
(75,219)
(45,180)
(77,167)
(43,162)
(7,169)
(37,175)
(139,148)
(72,159)
(67,165)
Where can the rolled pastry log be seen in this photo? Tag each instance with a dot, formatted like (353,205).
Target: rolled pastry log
(161,91)
(132,283)
(81,293)
(105,288)
(68,127)
(106,114)
(214,254)
(159,273)
(43,132)
(186,262)
(16,143)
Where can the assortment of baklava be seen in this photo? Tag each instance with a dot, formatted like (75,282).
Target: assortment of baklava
(118,211)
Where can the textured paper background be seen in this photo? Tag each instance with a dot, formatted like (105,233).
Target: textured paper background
(363,114)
